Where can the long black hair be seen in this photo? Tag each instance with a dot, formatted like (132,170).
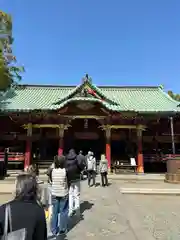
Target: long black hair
(26,187)
(59,161)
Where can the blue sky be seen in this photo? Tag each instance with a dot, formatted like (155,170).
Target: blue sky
(118,42)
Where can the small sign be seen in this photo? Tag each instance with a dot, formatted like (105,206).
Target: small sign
(133,161)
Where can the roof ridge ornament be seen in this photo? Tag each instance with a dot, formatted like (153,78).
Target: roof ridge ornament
(87,79)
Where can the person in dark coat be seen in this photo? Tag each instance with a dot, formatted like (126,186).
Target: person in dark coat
(26,212)
(82,158)
(74,166)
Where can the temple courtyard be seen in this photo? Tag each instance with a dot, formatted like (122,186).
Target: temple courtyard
(107,213)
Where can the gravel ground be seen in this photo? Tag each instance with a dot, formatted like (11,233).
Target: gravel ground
(160,215)
(5,198)
(109,214)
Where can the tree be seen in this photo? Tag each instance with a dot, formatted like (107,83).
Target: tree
(10,73)
(174,96)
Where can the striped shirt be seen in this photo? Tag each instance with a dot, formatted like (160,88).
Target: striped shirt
(59,182)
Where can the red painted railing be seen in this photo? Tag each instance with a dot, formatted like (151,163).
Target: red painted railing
(13,156)
(159,158)
(167,156)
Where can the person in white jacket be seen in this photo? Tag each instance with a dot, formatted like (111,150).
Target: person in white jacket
(103,169)
(91,168)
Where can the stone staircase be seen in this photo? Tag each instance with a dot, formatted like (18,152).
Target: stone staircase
(44,164)
(12,174)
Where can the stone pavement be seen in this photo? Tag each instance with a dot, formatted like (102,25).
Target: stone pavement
(137,177)
(7,188)
(121,176)
(105,216)
(149,187)
(160,215)
(109,214)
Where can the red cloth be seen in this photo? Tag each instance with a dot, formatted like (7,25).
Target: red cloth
(92,92)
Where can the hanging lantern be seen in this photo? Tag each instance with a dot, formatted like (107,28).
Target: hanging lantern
(86,123)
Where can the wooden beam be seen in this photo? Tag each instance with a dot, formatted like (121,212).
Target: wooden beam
(142,127)
(60,126)
(85,117)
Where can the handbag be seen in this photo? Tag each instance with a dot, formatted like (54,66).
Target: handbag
(12,235)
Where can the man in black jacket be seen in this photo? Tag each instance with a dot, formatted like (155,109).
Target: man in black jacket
(74,166)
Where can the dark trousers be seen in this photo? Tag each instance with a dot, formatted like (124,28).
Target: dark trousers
(91,175)
(104,179)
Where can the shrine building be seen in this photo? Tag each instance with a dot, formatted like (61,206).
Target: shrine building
(40,121)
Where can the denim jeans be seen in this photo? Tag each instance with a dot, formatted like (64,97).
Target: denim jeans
(74,197)
(59,221)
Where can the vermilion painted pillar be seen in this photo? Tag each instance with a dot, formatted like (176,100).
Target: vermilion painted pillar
(27,160)
(108,146)
(60,148)
(61,141)
(140,160)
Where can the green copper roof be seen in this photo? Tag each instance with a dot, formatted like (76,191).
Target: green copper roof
(138,99)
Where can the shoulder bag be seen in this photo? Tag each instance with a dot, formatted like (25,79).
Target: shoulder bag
(12,235)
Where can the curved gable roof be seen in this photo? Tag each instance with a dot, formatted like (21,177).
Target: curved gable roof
(139,99)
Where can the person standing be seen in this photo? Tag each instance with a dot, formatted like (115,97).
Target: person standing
(59,192)
(81,158)
(26,212)
(103,169)
(6,152)
(74,166)
(49,189)
(91,168)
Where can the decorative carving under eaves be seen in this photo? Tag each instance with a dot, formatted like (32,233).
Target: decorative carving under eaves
(63,110)
(85,106)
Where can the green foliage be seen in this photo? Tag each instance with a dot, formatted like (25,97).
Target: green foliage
(10,74)
(174,96)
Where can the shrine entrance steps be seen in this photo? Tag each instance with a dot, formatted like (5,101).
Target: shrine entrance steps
(44,164)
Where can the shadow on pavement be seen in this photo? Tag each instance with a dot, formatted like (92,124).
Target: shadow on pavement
(97,184)
(86,205)
(61,237)
(74,220)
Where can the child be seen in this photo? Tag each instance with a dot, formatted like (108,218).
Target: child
(34,171)
(103,169)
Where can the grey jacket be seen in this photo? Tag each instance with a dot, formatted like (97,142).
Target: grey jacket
(103,166)
(91,163)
